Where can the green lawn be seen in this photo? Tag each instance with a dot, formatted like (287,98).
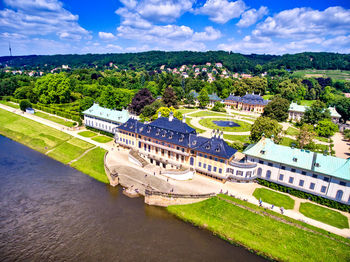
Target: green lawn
(186,110)
(102,139)
(291,131)
(274,198)
(307,102)
(208,113)
(208,122)
(87,134)
(324,215)
(92,164)
(323,139)
(30,133)
(263,234)
(188,122)
(54,119)
(243,139)
(69,150)
(7,103)
(335,74)
(286,141)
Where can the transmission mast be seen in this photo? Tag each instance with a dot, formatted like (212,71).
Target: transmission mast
(10,49)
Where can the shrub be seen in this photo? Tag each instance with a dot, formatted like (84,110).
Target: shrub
(24,104)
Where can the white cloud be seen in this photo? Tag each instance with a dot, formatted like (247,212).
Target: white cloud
(129,3)
(299,23)
(221,11)
(251,16)
(106,36)
(40,17)
(132,18)
(209,34)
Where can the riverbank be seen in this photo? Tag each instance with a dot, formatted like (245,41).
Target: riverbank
(54,143)
(264,232)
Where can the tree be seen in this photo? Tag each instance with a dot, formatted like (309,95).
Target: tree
(169,97)
(306,135)
(315,113)
(165,112)
(85,103)
(189,100)
(218,107)
(24,104)
(267,126)
(142,98)
(346,134)
(150,110)
(343,108)
(277,109)
(203,98)
(326,128)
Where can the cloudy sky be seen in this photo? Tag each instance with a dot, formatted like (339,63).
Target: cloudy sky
(112,26)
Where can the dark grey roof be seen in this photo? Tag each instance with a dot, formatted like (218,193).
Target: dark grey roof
(174,125)
(250,99)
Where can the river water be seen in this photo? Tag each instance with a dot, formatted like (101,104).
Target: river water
(51,212)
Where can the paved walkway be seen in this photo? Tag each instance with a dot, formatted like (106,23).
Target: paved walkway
(341,146)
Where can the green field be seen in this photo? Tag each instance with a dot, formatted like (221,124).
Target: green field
(274,198)
(324,215)
(208,122)
(243,139)
(186,111)
(54,119)
(198,130)
(102,139)
(286,141)
(208,113)
(335,74)
(6,103)
(87,134)
(323,139)
(92,164)
(291,131)
(265,235)
(69,150)
(30,133)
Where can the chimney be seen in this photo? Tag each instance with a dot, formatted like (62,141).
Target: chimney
(213,133)
(217,134)
(159,114)
(184,119)
(171,116)
(222,135)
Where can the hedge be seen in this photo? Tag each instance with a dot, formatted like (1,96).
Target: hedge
(301,194)
(100,131)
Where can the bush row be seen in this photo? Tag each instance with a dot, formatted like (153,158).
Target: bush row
(301,194)
(58,112)
(100,131)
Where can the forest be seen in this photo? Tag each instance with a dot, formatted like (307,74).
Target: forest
(152,60)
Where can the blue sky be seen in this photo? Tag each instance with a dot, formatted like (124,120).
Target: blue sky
(112,26)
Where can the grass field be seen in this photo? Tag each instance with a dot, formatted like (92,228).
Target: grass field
(243,139)
(87,134)
(291,131)
(92,164)
(30,133)
(102,139)
(323,139)
(335,74)
(186,110)
(6,103)
(261,233)
(54,119)
(286,141)
(208,113)
(188,122)
(307,102)
(208,122)
(324,215)
(274,198)
(69,150)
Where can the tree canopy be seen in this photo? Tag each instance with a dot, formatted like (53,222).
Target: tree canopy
(315,113)
(277,109)
(141,99)
(265,126)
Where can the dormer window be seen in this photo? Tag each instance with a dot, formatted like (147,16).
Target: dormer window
(207,147)
(141,129)
(194,142)
(171,136)
(317,164)
(217,149)
(157,134)
(295,159)
(163,134)
(262,152)
(181,139)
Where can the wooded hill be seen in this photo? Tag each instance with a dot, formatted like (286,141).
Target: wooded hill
(152,60)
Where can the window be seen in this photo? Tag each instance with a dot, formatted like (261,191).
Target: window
(191,161)
(259,171)
(220,170)
(199,164)
(200,154)
(326,179)
(261,162)
(293,170)
(303,173)
(342,183)
(312,186)
(269,164)
(204,165)
(291,180)
(239,173)
(281,177)
(323,189)
(214,168)
(216,159)
(205,156)
(314,175)
(248,174)
(283,167)
(210,157)
(209,167)
(339,195)
(268,174)
(301,182)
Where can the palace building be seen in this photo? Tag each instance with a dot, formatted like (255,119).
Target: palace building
(105,119)
(249,102)
(296,112)
(171,143)
(311,172)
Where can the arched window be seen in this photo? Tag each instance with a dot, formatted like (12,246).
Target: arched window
(191,161)
(259,171)
(268,174)
(339,195)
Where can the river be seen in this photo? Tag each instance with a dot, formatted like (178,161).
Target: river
(52,212)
